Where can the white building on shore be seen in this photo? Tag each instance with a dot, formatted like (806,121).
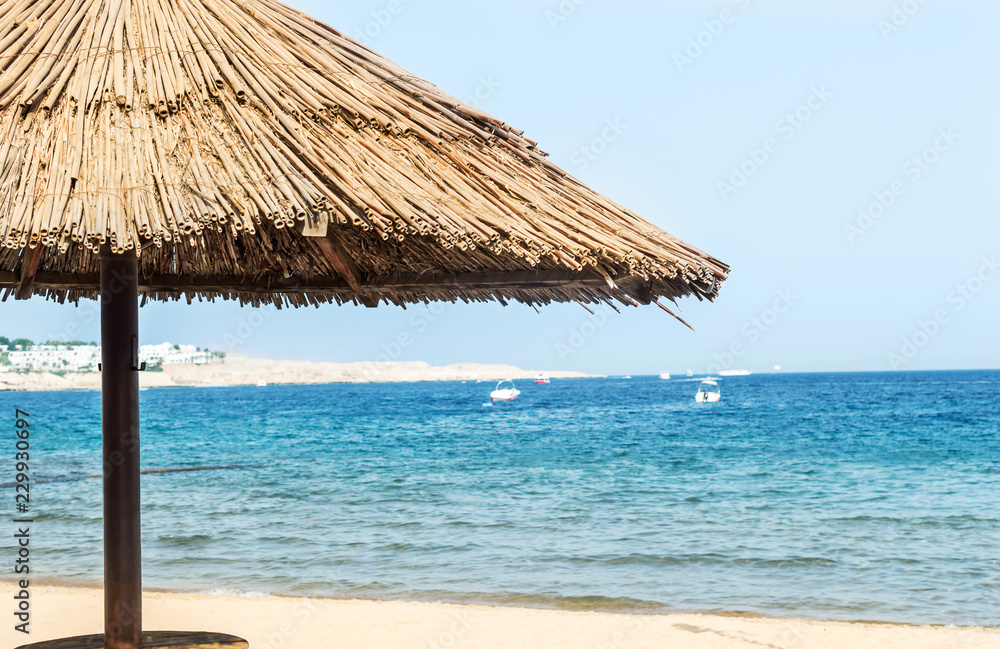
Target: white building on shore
(85,358)
(55,358)
(168,354)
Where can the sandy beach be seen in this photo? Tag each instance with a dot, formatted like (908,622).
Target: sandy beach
(243,370)
(294,623)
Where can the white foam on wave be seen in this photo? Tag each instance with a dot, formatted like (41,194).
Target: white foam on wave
(236,592)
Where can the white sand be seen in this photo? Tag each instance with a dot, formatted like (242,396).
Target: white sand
(289,623)
(243,370)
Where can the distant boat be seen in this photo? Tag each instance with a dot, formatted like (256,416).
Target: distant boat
(690,373)
(665,376)
(261,383)
(542,379)
(708,392)
(505,394)
(735,373)
(627,376)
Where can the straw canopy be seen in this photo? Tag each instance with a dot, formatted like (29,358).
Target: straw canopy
(244,150)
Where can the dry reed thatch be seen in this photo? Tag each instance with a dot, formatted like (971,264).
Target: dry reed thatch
(244,150)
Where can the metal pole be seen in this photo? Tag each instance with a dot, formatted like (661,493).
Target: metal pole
(120,406)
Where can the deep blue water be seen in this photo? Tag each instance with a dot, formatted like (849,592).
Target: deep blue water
(844,496)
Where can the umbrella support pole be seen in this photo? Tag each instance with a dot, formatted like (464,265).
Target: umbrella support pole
(120,421)
(120,410)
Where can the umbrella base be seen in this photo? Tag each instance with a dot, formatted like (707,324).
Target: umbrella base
(151,640)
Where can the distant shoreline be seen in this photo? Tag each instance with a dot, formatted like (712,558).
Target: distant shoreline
(239,370)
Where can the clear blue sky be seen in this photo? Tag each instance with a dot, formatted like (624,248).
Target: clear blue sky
(839,95)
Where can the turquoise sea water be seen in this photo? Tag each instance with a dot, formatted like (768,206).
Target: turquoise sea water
(843,496)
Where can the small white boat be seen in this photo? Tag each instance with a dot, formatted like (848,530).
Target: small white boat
(542,379)
(505,394)
(627,376)
(690,373)
(261,383)
(708,392)
(665,376)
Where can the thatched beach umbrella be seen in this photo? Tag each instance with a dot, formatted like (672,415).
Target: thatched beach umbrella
(188,149)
